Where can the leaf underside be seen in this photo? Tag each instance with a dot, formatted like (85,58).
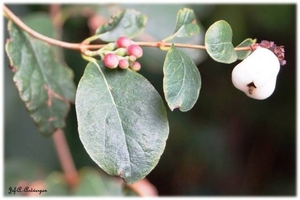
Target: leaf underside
(218,42)
(186,24)
(122,121)
(127,22)
(182,80)
(45,85)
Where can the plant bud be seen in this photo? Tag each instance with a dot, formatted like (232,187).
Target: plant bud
(123,64)
(110,46)
(136,66)
(132,58)
(123,42)
(121,52)
(135,50)
(111,60)
(256,75)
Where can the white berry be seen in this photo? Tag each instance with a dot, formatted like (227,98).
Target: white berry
(256,75)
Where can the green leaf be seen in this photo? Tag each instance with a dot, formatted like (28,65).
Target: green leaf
(182,80)
(127,22)
(241,55)
(40,22)
(218,44)
(45,85)
(56,185)
(162,16)
(186,24)
(122,121)
(20,171)
(92,183)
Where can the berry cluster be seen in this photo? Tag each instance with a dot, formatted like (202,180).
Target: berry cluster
(122,53)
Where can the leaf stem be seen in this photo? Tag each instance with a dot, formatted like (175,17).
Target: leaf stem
(84,46)
(65,158)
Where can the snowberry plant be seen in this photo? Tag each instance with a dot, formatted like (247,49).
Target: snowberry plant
(122,119)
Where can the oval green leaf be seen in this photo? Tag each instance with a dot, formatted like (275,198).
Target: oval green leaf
(182,80)
(127,22)
(241,55)
(186,23)
(122,121)
(45,85)
(94,183)
(218,42)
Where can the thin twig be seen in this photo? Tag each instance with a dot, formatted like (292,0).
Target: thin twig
(57,22)
(65,158)
(85,46)
(24,27)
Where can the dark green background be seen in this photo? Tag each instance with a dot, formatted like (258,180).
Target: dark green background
(228,144)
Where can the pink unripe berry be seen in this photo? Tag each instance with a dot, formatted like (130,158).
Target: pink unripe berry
(136,66)
(111,60)
(135,50)
(123,42)
(123,64)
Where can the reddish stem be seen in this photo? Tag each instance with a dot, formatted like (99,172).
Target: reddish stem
(84,46)
(65,158)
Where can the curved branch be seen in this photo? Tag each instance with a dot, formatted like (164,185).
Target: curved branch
(84,46)
(35,34)
(65,158)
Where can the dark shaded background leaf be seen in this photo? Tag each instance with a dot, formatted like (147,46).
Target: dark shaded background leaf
(21,172)
(93,183)
(56,185)
(45,86)
(182,81)
(122,121)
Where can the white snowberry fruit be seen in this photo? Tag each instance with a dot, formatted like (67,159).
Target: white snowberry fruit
(256,75)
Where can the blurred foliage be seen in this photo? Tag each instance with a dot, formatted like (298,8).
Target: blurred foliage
(21,172)
(228,144)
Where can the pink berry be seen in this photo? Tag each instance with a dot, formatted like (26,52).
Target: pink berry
(123,64)
(135,50)
(123,42)
(136,66)
(111,60)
